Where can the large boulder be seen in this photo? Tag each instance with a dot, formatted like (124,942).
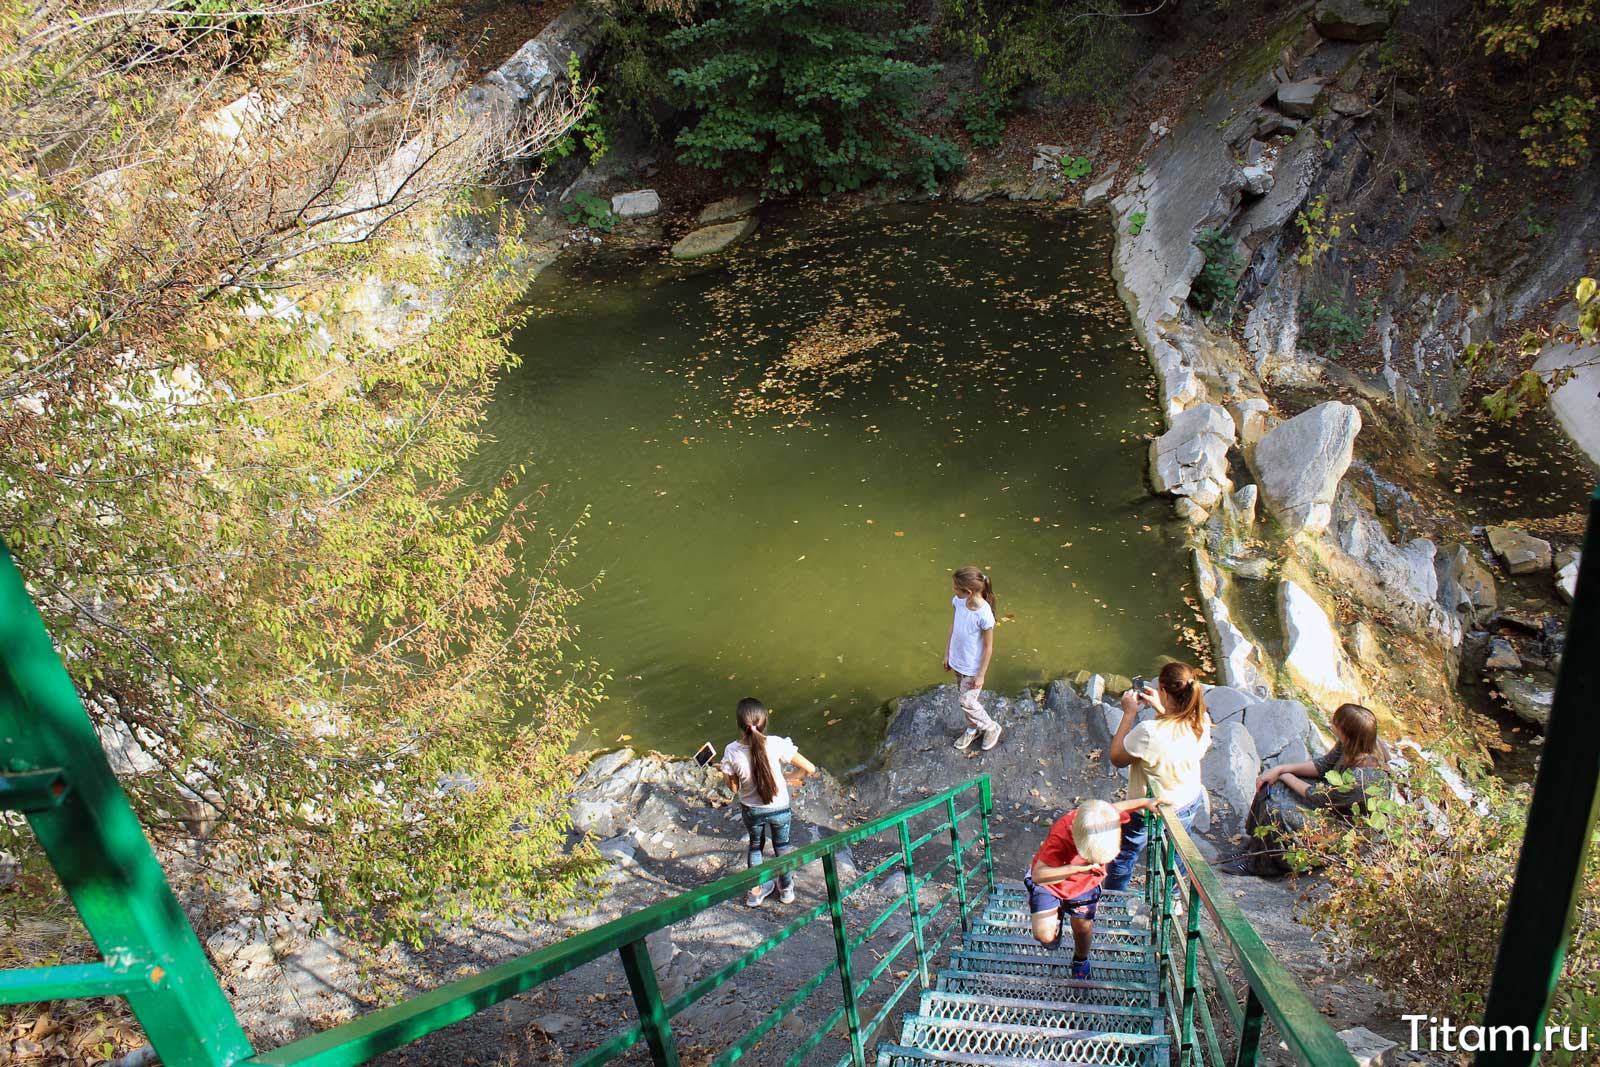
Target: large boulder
(1225,702)
(1299,99)
(1520,551)
(1230,766)
(1466,588)
(1281,730)
(1314,658)
(729,207)
(1530,695)
(1191,458)
(1352,20)
(1299,463)
(708,240)
(639,204)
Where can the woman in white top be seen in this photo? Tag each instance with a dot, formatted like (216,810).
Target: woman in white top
(969,651)
(753,768)
(1162,756)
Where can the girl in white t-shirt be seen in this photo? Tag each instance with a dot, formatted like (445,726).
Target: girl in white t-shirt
(1163,757)
(753,768)
(969,651)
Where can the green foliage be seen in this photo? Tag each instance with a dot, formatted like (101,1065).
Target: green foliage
(1530,388)
(591,210)
(243,387)
(634,64)
(1330,323)
(1214,287)
(1553,41)
(588,132)
(791,95)
(1320,227)
(1074,50)
(1075,167)
(1418,908)
(1136,223)
(983,115)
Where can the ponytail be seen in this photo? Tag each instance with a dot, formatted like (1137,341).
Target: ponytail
(752,716)
(973,582)
(1177,680)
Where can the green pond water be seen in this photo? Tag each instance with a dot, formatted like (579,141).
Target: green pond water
(786,452)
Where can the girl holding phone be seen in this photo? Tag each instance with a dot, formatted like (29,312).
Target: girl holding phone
(753,769)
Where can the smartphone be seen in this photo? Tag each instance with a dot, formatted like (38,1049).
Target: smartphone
(1139,683)
(706,754)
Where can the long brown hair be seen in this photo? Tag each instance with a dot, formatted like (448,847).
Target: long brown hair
(1179,682)
(753,724)
(973,582)
(1358,735)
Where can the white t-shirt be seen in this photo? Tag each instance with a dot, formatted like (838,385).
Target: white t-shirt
(1168,760)
(966,636)
(736,762)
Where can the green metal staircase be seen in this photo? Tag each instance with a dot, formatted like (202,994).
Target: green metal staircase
(1005,999)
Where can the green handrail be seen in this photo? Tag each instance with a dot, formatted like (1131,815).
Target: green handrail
(1271,991)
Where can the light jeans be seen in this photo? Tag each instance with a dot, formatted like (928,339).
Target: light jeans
(1134,837)
(977,718)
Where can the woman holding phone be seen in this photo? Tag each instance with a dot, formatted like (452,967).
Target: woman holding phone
(753,769)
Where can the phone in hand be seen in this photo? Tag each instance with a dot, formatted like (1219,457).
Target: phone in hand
(706,754)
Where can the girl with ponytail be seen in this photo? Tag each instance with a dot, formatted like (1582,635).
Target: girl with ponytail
(1162,756)
(753,768)
(969,651)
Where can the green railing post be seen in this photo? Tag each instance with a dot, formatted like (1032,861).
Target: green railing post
(841,944)
(986,807)
(653,1020)
(914,904)
(960,864)
(1250,1032)
(98,849)
(1561,826)
(1191,976)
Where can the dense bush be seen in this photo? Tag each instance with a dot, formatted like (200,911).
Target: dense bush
(1074,50)
(1214,287)
(1330,323)
(789,95)
(1417,895)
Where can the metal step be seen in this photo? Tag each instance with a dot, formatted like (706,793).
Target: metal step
(1059,988)
(1056,965)
(1039,1043)
(1109,949)
(906,1056)
(1110,933)
(1019,1011)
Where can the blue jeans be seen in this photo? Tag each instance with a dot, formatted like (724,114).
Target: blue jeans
(1134,836)
(762,824)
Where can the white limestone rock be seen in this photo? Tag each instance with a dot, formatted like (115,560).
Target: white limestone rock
(1230,765)
(1567,579)
(1520,551)
(1465,586)
(639,204)
(1299,463)
(1314,657)
(1191,458)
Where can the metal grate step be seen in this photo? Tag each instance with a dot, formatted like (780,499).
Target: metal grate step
(905,1056)
(981,1008)
(1051,987)
(1109,934)
(1101,948)
(1055,965)
(1048,1044)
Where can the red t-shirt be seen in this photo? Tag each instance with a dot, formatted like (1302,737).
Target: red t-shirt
(1059,850)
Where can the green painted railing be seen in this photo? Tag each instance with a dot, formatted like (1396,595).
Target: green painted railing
(969,805)
(1270,991)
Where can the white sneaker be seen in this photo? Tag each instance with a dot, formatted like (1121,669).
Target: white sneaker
(967,737)
(991,737)
(786,896)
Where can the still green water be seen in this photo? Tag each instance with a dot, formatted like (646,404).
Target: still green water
(787,451)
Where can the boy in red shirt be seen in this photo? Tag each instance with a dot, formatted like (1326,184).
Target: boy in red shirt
(1069,869)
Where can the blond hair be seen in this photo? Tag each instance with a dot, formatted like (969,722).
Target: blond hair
(1097,831)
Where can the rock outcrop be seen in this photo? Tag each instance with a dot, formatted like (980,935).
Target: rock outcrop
(1191,458)
(1351,20)
(1314,657)
(1299,463)
(1466,588)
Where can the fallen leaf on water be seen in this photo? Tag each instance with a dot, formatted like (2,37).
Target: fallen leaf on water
(899,533)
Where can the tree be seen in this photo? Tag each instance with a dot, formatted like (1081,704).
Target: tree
(1530,386)
(237,384)
(805,94)
(1558,43)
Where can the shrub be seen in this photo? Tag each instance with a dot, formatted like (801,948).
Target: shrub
(1074,50)
(1417,904)
(1215,285)
(591,210)
(1331,323)
(790,95)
